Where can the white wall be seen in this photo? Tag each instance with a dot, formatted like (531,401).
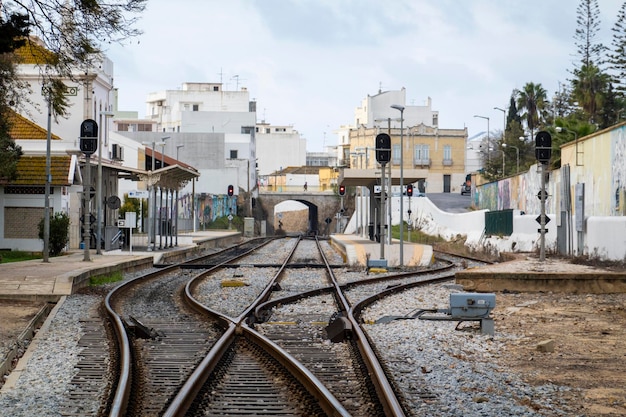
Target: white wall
(276,151)
(606,237)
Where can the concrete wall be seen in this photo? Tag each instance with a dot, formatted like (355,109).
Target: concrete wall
(606,237)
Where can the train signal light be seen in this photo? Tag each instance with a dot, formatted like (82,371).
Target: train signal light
(342,190)
(88,136)
(231,190)
(409,190)
(543,146)
(383,148)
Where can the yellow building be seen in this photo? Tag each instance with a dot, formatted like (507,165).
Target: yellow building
(599,162)
(433,156)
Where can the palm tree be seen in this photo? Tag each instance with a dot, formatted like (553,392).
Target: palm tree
(532,103)
(590,88)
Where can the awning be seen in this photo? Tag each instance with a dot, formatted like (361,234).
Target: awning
(370,177)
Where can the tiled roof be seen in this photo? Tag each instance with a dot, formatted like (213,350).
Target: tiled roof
(22,128)
(32,170)
(302,170)
(34,52)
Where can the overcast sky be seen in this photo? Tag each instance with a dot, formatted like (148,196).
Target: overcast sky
(310,63)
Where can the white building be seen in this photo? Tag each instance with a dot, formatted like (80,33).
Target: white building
(278,147)
(89,95)
(376,111)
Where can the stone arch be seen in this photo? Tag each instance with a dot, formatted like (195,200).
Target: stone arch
(289,217)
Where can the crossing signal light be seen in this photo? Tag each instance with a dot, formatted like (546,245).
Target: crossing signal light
(543,146)
(88,136)
(409,190)
(383,148)
(231,191)
(342,190)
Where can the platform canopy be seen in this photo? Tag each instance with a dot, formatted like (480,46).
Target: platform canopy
(370,177)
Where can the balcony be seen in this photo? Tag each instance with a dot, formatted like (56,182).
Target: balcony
(424,162)
(447,162)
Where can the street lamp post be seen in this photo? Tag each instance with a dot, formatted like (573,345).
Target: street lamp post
(504,145)
(488,141)
(162,145)
(401,109)
(152,230)
(106,115)
(563,129)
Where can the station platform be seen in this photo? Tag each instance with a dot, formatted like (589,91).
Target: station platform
(62,275)
(358,250)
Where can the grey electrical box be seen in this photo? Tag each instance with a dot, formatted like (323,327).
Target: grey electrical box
(471,305)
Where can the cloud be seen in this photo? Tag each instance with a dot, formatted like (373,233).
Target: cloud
(309,63)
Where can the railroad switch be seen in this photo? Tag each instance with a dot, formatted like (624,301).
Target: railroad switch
(463,307)
(142,331)
(339,328)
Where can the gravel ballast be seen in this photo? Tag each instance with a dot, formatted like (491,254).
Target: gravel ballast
(459,369)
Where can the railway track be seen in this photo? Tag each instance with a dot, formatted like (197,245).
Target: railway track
(181,342)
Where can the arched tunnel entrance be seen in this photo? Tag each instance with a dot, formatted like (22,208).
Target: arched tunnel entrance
(296,216)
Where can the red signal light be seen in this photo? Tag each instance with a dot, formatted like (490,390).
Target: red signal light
(342,190)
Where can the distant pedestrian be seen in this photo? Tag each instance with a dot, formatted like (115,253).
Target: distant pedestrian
(305,186)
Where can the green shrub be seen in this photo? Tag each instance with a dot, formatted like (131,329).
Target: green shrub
(59,233)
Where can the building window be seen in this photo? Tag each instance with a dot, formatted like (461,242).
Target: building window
(216,88)
(144,127)
(396,154)
(447,155)
(122,127)
(233,154)
(435,119)
(421,155)
(196,107)
(246,130)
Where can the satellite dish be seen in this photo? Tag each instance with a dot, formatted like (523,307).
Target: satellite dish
(114,202)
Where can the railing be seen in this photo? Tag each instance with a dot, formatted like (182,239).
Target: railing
(296,189)
(425,162)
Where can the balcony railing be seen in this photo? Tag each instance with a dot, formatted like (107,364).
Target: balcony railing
(424,162)
(447,162)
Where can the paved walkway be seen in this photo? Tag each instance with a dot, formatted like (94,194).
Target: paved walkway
(358,250)
(50,280)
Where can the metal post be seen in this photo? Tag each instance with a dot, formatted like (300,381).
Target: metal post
(542,247)
(401,108)
(99,181)
(46,221)
(402,187)
(154,196)
(176,218)
(381,233)
(99,192)
(160,218)
(86,213)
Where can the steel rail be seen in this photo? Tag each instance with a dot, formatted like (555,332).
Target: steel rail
(119,403)
(237,327)
(386,394)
